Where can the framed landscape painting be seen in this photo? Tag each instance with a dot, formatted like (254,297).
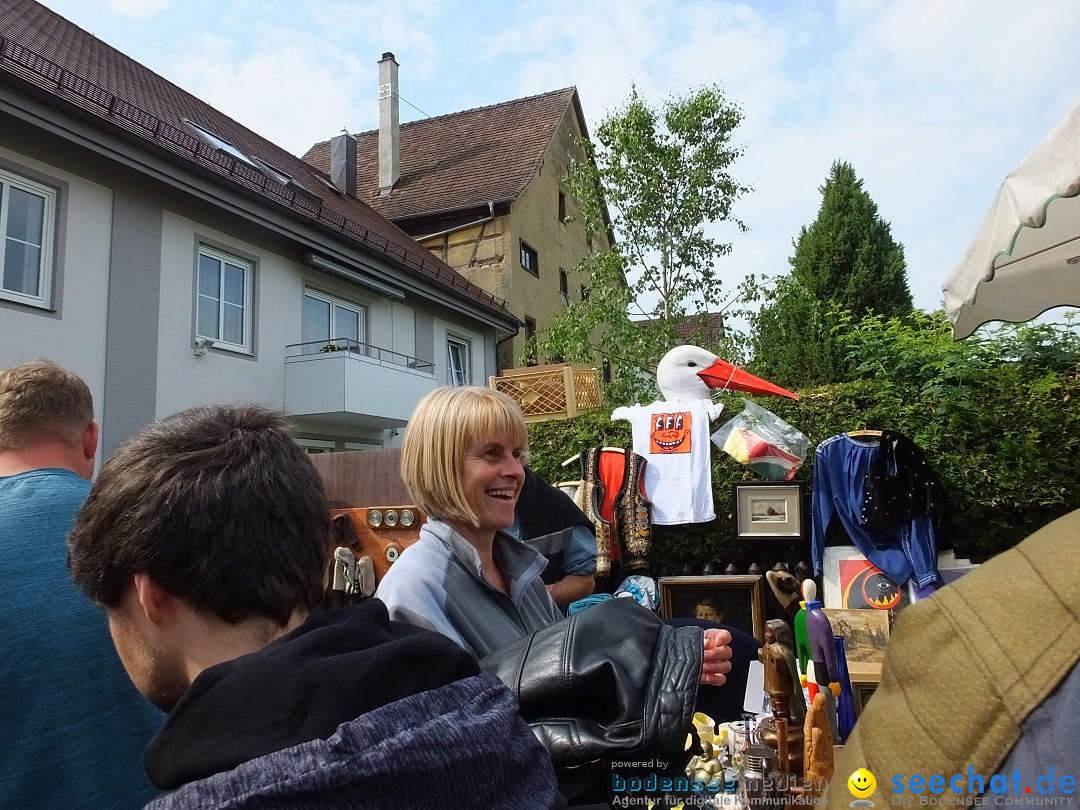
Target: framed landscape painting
(767,510)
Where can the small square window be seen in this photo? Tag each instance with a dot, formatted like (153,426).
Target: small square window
(222,145)
(530,260)
(27,220)
(314,447)
(562,207)
(332,324)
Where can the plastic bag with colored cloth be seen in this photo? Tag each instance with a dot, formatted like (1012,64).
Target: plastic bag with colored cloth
(763,442)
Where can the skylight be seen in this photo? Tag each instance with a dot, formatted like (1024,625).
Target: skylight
(274,171)
(222,145)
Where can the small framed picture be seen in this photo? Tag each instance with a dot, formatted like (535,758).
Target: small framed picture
(737,601)
(767,510)
(851,581)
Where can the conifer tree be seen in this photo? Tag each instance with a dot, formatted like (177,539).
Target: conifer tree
(847,256)
(846,266)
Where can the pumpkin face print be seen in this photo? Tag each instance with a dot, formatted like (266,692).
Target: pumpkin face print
(670,433)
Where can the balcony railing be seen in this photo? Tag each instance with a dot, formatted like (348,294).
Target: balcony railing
(349,383)
(355,347)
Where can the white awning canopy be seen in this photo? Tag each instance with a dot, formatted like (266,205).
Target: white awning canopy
(1025,258)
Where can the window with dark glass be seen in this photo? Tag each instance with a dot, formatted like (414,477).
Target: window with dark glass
(529,259)
(530,336)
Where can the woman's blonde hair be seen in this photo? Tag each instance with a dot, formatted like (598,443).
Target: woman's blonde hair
(444,424)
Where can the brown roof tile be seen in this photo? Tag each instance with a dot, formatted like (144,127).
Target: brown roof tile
(697,330)
(459,160)
(69,65)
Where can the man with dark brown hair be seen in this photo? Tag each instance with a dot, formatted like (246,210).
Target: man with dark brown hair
(73,727)
(206,538)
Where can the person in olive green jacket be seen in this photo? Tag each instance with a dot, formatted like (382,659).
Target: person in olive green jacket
(980,680)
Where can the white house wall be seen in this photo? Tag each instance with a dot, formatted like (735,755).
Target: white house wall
(74,334)
(478,366)
(403,325)
(220,375)
(279,285)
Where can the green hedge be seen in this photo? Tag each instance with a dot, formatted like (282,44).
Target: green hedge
(1000,428)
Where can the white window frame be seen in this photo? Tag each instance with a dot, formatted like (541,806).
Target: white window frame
(246,346)
(463,374)
(335,301)
(10,180)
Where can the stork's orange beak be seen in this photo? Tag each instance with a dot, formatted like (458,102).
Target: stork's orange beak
(722,374)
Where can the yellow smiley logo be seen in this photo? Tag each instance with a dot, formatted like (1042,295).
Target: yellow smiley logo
(861,783)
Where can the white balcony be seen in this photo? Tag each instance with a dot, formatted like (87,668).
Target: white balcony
(354,384)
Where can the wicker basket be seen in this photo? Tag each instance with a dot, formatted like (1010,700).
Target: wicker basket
(558,391)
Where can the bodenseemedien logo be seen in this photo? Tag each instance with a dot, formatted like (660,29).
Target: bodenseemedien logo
(861,785)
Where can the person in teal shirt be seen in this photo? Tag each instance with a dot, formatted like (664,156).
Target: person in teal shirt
(73,726)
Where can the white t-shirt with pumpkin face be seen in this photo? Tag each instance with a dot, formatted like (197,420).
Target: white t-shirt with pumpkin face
(673,437)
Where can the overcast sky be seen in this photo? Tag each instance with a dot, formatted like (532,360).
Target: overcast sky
(931,101)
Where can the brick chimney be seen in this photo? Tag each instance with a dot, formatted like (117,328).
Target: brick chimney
(343,163)
(389,124)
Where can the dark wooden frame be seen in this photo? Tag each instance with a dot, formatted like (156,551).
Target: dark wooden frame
(865,678)
(677,593)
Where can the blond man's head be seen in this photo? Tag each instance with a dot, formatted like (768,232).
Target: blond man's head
(41,402)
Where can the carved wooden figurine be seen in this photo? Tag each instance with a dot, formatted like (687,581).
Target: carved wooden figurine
(785,694)
(818,764)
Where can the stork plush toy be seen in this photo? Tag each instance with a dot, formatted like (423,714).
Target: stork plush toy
(672,434)
(687,373)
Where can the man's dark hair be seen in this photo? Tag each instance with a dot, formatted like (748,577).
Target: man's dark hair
(219,506)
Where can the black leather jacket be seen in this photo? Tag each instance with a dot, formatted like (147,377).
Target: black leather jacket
(611,681)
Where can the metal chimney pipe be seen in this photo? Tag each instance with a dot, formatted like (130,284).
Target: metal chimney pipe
(343,163)
(389,124)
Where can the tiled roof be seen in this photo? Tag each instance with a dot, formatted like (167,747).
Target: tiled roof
(459,160)
(69,66)
(695,330)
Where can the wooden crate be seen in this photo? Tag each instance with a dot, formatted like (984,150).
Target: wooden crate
(558,391)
